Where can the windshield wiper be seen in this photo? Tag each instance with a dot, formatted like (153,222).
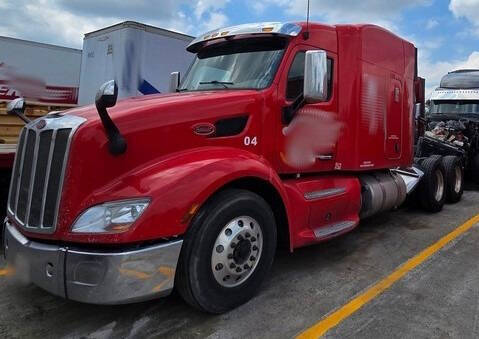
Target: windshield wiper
(216,82)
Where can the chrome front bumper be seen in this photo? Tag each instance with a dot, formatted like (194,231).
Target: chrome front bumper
(89,276)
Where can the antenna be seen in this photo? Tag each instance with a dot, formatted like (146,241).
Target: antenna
(306,33)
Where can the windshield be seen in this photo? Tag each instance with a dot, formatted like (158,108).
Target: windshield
(455,107)
(235,65)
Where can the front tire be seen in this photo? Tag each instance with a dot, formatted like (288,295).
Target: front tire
(227,252)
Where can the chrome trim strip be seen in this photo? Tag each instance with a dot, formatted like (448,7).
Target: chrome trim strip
(278,28)
(64,167)
(324,193)
(9,207)
(399,171)
(334,228)
(32,177)
(455,94)
(324,157)
(47,176)
(20,171)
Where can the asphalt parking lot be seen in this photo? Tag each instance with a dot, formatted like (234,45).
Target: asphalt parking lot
(437,298)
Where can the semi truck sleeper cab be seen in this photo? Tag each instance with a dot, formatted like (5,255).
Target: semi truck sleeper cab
(274,136)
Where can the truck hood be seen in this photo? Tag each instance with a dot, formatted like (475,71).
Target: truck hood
(179,104)
(156,128)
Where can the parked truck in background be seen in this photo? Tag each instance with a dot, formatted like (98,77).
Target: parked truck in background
(451,128)
(279,134)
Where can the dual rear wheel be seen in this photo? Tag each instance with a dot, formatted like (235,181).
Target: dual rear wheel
(443,181)
(454,178)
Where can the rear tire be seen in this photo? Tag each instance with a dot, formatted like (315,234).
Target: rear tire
(454,178)
(223,262)
(431,190)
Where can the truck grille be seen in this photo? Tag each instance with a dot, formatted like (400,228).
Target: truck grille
(38,172)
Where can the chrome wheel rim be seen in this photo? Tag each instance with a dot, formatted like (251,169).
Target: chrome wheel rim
(458,183)
(237,251)
(440,185)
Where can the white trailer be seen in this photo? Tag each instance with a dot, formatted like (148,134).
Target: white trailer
(44,74)
(139,57)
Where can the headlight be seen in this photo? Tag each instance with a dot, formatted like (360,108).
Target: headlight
(113,217)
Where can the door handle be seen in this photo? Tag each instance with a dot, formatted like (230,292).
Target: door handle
(324,156)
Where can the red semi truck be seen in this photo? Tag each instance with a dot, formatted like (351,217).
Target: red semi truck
(279,134)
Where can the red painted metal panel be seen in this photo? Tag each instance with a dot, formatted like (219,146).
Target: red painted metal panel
(369,57)
(309,215)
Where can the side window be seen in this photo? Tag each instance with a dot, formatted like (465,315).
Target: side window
(296,77)
(330,77)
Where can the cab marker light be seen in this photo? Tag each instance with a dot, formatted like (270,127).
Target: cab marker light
(187,217)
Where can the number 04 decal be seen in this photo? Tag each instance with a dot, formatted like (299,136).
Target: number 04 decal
(248,141)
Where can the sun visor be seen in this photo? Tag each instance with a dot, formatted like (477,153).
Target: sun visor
(265,28)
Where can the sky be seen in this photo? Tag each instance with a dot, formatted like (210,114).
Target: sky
(446,32)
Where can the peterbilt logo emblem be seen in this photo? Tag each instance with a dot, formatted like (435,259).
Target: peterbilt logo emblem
(41,124)
(204,129)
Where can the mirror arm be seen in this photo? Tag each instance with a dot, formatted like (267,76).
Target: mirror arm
(117,143)
(290,111)
(23,117)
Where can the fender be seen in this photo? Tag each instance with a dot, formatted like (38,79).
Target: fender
(177,185)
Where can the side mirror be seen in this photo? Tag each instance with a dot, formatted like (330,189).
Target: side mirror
(107,95)
(418,112)
(174,82)
(17,107)
(315,77)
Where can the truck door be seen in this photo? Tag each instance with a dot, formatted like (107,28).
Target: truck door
(394,120)
(307,143)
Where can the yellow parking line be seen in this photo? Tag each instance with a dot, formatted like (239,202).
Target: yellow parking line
(352,306)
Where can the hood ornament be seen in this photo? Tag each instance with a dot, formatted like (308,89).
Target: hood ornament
(41,124)
(204,129)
